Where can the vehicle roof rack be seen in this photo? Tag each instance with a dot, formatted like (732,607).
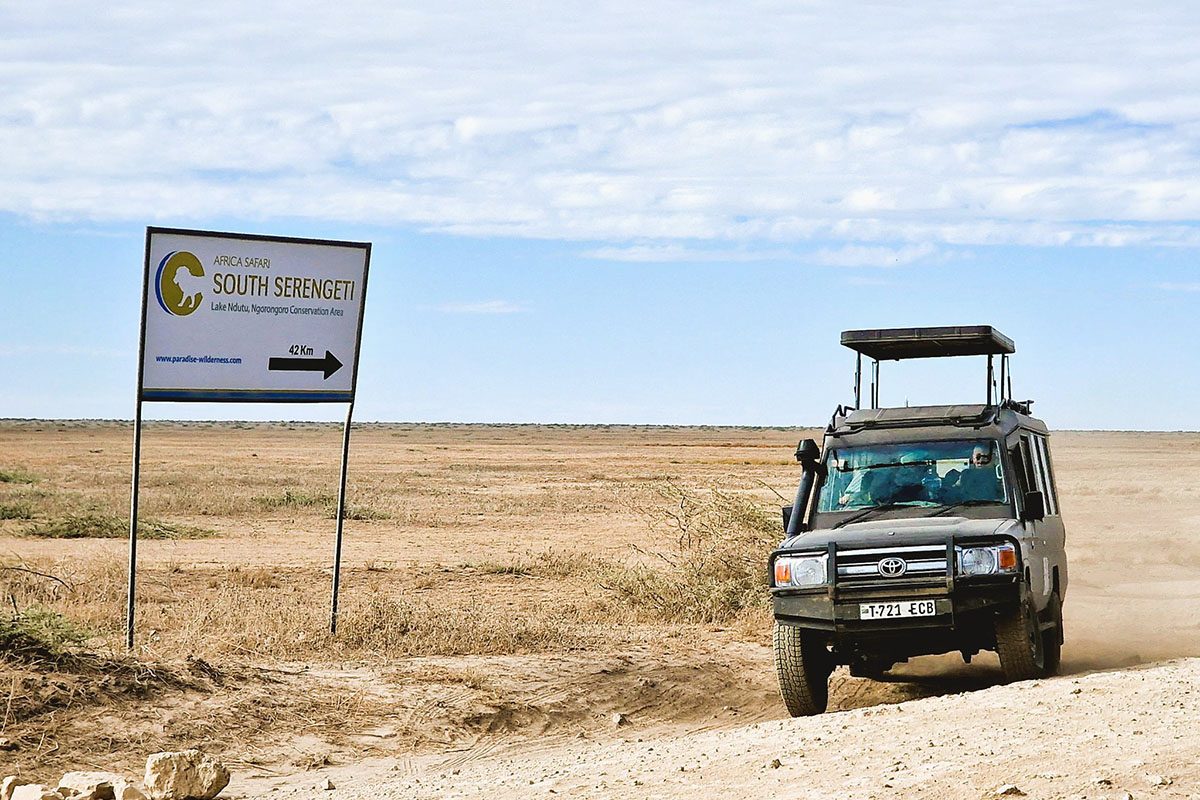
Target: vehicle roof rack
(896,344)
(893,344)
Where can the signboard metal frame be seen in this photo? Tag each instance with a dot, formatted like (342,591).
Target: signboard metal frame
(240,396)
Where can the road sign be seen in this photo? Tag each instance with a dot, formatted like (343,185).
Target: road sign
(235,317)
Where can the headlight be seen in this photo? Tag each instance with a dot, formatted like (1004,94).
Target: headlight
(800,571)
(987,560)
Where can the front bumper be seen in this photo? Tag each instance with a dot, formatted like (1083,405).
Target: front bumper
(962,604)
(958,605)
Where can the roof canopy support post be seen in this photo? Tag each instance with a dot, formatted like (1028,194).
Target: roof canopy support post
(858,381)
(1003,376)
(990,379)
(875,384)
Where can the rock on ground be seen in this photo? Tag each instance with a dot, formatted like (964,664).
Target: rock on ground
(35,791)
(89,785)
(7,785)
(186,774)
(127,791)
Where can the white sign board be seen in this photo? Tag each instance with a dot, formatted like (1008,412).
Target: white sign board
(233,317)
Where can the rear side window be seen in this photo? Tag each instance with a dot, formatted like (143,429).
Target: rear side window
(1042,453)
(1035,462)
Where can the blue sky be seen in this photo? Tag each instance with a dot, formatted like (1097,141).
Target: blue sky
(617,213)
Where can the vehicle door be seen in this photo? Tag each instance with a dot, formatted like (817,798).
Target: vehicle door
(1047,536)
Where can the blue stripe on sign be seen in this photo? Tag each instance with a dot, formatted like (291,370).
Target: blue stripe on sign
(245,396)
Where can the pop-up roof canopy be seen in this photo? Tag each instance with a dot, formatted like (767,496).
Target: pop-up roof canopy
(888,344)
(894,344)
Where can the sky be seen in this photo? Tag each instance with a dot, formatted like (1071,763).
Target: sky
(623,212)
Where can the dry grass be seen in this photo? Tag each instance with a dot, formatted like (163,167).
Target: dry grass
(281,614)
(108,526)
(707,568)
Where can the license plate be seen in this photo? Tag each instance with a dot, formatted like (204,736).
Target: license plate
(905,608)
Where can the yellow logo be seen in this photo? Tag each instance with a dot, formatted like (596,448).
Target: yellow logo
(179,283)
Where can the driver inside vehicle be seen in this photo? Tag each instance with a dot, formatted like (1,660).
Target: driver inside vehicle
(979,481)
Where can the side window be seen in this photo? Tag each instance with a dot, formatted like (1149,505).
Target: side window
(1032,484)
(1020,475)
(1042,456)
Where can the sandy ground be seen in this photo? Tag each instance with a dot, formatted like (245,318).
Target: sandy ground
(1090,736)
(700,698)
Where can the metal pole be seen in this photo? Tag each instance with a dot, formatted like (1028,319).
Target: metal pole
(341,513)
(133,519)
(1003,373)
(858,381)
(875,384)
(990,380)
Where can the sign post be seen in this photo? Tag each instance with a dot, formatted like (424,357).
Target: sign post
(230,317)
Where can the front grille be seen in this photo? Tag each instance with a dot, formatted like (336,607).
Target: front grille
(871,565)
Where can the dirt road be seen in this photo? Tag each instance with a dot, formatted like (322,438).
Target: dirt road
(1090,735)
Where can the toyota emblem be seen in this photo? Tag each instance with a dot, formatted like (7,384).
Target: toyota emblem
(893,567)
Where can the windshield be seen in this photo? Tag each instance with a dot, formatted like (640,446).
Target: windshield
(913,474)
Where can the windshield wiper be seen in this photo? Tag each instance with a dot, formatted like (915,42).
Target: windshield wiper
(867,511)
(926,463)
(964,504)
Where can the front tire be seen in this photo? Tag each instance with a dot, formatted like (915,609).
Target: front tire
(1052,639)
(1026,651)
(803,666)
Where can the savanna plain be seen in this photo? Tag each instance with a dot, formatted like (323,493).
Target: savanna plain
(548,611)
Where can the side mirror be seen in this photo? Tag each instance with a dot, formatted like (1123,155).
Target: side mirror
(807,453)
(1035,506)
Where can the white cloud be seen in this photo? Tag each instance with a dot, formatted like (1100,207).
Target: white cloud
(640,125)
(860,256)
(673,252)
(1179,287)
(483,307)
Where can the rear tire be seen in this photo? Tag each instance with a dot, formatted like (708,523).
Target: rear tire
(803,665)
(1026,652)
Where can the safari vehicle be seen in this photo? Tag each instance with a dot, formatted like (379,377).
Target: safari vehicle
(920,530)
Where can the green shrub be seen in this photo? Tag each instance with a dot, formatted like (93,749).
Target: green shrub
(17,475)
(17,510)
(39,631)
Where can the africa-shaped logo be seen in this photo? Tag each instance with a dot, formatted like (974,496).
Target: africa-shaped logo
(179,283)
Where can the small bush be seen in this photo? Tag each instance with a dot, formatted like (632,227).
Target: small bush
(16,510)
(360,513)
(716,569)
(110,526)
(547,564)
(38,631)
(295,499)
(17,475)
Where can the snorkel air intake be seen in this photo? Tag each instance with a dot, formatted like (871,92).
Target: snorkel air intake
(809,456)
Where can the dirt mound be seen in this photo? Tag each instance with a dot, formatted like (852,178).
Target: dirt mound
(43,681)
(1090,735)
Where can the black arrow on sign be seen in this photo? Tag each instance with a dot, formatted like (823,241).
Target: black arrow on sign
(329,364)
